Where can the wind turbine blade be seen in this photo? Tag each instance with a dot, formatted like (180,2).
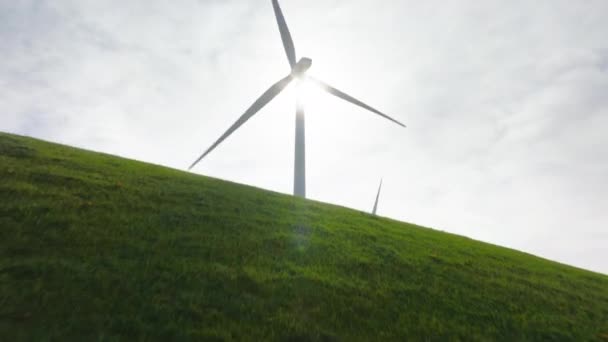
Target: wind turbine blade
(270,94)
(285,35)
(377,198)
(350,99)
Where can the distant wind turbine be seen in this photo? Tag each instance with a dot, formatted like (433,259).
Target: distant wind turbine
(377,198)
(298,72)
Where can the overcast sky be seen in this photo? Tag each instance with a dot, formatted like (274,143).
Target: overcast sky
(506,103)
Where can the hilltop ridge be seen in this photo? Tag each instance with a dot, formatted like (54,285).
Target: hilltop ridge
(94,246)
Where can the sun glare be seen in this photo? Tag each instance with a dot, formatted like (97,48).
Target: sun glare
(307,93)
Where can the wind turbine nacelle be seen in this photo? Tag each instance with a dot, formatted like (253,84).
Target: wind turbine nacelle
(301,67)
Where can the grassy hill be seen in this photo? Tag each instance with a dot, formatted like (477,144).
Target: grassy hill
(95,247)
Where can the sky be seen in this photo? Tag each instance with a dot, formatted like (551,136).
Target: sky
(506,103)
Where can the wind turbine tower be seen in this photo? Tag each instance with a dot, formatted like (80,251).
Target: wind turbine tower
(298,72)
(377,198)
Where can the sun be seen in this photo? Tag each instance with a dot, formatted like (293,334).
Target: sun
(307,93)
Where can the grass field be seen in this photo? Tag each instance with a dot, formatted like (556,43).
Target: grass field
(99,248)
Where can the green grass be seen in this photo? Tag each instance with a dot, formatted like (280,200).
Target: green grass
(95,247)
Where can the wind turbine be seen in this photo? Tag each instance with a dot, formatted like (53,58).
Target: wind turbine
(298,72)
(377,197)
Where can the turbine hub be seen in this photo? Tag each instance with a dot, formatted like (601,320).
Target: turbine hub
(301,67)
